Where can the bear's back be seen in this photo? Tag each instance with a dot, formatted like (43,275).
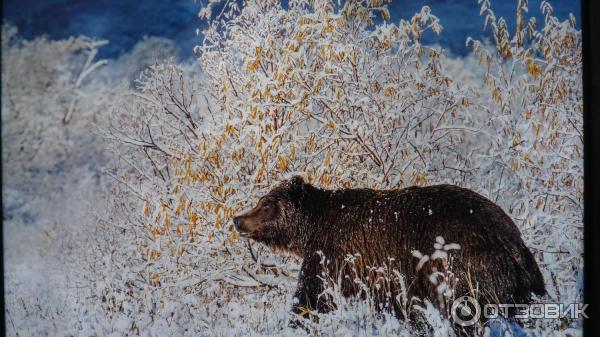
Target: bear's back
(421,209)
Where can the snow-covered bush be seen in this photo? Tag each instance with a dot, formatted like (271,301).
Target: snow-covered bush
(533,106)
(54,96)
(295,96)
(318,89)
(52,73)
(51,167)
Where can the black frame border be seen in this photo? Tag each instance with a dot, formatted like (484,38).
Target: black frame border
(590,14)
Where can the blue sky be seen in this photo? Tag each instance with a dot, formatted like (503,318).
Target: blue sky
(124,22)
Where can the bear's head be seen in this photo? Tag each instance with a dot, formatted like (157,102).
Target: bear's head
(275,218)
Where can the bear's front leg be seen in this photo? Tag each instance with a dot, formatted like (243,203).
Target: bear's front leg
(309,287)
(306,297)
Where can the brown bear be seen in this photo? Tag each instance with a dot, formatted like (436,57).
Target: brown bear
(493,264)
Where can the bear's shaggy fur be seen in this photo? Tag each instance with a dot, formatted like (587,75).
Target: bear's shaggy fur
(492,264)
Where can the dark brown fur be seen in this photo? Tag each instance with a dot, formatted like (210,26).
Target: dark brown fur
(305,220)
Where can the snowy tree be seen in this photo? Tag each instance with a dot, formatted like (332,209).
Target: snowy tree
(319,89)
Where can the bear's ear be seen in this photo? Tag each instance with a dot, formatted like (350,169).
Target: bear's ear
(295,186)
(296,181)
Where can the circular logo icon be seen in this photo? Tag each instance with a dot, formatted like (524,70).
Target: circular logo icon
(465,311)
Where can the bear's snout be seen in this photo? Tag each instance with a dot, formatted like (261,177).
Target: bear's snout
(246,224)
(252,223)
(237,221)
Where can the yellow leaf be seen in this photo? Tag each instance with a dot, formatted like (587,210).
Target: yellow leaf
(282,164)
(497,95)
(533,69)
(292,152)
(465,102)
(328,158)
(167,223)
(193,217)
(385,14)
(389,91)
(155,280)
